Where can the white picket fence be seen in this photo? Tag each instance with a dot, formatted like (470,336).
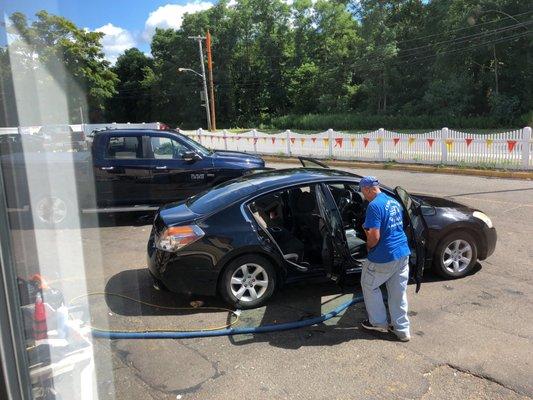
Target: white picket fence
(513,149)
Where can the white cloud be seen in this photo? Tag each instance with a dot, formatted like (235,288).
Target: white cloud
(115,41)
(171,16)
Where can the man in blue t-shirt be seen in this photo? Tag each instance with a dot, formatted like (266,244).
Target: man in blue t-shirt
(388,262)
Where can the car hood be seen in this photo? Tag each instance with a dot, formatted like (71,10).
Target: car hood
(236,157)
(442,202)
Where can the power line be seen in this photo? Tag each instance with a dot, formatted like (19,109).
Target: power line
(402,58)
(414,59)
(468,37)
(501,40)
(447,32)
(464,38)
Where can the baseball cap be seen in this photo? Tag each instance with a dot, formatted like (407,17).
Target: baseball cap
(369,181)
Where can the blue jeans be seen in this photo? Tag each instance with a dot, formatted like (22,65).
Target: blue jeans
(395,275)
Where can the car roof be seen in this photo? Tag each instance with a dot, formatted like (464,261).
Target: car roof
(133,131)
(272,179)
(244,188)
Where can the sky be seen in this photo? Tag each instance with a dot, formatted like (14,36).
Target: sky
(125,23)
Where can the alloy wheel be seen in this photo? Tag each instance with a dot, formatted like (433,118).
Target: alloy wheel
(249,282)
(457,256)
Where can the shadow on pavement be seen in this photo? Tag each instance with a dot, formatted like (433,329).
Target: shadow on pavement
(302,301)
(137,284)
(294,302)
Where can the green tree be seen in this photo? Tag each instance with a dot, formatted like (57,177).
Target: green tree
(440,59)
(134,89)
(72,57)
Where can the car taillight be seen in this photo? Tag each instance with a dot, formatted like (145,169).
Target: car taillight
(177,237)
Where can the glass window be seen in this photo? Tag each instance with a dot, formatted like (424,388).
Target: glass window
(167,148)
(204,151)
(124,147)
(210,201)
(112,165)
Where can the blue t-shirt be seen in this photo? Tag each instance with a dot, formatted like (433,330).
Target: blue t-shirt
(386,214)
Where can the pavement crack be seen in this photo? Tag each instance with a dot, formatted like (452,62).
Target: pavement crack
(123,357)
(214,365)
(474,374)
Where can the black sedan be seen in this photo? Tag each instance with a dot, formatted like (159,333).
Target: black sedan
(246,237)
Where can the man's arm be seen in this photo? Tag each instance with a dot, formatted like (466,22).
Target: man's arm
(372,237)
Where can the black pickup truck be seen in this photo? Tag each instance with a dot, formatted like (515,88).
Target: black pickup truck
(125,170)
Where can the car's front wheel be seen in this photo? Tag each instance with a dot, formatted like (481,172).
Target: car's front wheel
(248,281)
(456,255)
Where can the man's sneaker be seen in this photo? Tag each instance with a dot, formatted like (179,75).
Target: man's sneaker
(401,336)
(368,326)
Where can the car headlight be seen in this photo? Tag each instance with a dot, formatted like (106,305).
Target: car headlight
(177,237)
(483,217)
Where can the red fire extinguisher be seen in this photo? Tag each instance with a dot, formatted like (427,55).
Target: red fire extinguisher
(40,330)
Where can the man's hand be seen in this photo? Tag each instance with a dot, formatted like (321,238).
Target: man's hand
(372,237)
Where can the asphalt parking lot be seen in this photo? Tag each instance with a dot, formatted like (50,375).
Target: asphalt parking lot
(472,337)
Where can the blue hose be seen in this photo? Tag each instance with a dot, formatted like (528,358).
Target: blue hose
(229,331)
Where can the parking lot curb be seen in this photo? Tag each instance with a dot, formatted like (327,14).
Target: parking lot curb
(525,175)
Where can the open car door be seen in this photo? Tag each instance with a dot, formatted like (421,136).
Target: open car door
(335,253)
(311,163)
(416,232)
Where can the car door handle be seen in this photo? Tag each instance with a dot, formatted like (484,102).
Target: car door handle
(107,168)
(161,167)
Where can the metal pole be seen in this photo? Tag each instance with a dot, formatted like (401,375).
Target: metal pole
(207,109)
(211,88)
(82,121)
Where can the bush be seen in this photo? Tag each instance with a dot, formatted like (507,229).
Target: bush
(357,121)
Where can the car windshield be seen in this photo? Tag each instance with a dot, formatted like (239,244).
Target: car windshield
(204,151)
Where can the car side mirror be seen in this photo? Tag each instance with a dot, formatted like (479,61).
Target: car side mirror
(190,156)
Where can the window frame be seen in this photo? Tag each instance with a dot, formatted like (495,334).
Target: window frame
(139,139)
(172,139)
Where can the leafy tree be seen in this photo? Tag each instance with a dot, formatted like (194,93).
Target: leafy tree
(51,48)
(133,100)
(440,59)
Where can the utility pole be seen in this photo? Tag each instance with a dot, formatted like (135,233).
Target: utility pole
(495,69)
(211,88)
(207,108)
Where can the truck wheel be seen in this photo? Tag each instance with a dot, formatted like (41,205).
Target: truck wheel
(456,255)
(51,211)
(248,281)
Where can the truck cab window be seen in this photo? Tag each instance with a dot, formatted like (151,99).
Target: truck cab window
(167,148)
(124,147)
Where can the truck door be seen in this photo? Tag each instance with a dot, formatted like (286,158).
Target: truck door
(123,171)
(178,171)
(416,233)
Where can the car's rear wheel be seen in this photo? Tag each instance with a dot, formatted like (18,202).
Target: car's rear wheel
(248,281)
(456,255)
